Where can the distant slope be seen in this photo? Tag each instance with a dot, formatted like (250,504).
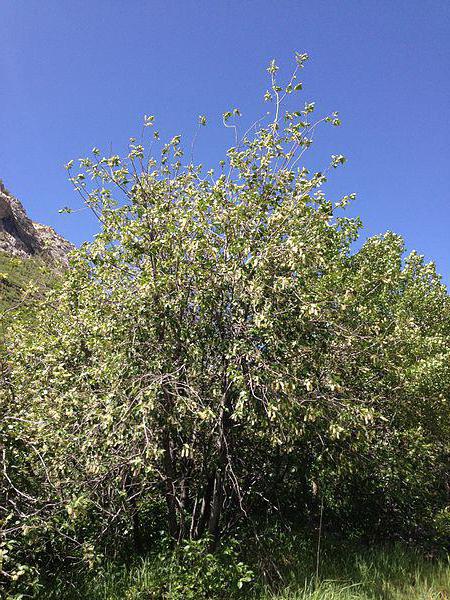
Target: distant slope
(22,283)
(32,257)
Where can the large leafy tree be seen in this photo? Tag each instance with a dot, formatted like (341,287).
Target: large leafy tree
(218,351)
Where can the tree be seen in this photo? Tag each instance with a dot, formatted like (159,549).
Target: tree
(218,351)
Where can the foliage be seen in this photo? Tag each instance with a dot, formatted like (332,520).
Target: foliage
(348,572)
(22,285)
(219,356)
(189,572)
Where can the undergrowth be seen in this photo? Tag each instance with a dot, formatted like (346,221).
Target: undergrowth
(346,572)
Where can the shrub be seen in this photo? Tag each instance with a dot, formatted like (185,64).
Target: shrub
(220,354)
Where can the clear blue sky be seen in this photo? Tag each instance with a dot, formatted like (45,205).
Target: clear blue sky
(74,74)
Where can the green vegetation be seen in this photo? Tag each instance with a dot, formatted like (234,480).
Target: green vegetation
(18,276)
(22,286)
(346,573)
(218,369)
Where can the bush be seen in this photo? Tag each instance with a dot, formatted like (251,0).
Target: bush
(188,572)
(220,355)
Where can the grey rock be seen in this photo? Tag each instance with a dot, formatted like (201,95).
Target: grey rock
(20,236)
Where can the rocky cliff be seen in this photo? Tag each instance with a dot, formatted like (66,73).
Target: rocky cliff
(20,236)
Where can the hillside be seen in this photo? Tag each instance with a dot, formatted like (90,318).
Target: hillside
(22,237)
(16,275)
(31,256)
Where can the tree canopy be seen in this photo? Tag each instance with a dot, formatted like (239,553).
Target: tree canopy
(221,354)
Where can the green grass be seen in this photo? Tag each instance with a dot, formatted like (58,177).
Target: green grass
(373,574)
(395,573)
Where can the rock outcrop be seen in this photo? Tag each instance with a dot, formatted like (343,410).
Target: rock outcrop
(20,236)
